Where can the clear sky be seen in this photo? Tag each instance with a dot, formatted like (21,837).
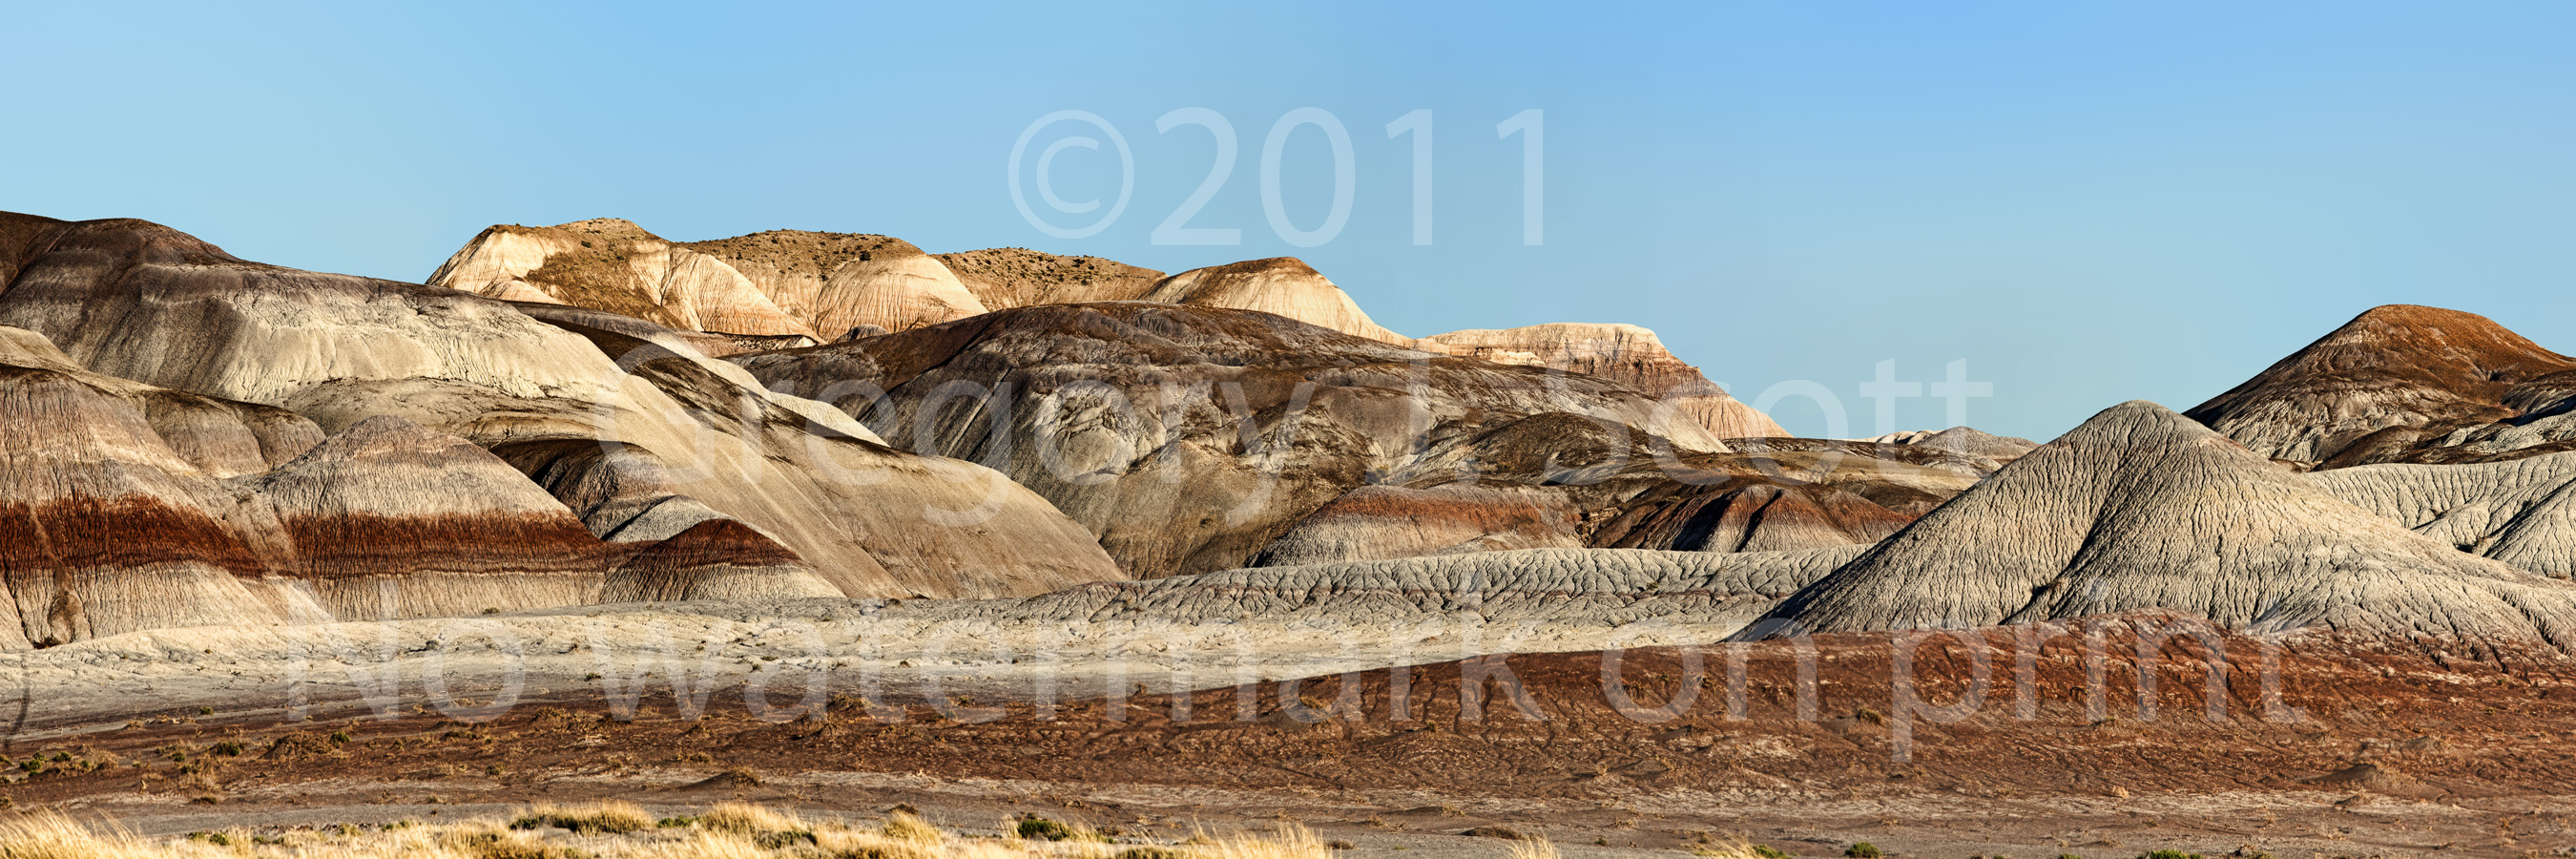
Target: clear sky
(2087,202)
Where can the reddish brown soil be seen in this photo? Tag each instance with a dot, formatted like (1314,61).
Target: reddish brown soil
(2408,730)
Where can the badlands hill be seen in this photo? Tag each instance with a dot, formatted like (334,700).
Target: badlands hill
(1186,437)
(132,507)
(1199,439)
(1003,278)
(641,439)
(1626,353)
(785,289)
(2520,511)
(2142,509)
(2403,383)
(1286,286)
(776,283)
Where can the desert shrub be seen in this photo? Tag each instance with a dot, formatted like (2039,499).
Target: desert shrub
(614,818)
(1863,850)
(1042,828)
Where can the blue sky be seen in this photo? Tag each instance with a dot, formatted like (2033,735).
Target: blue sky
(2088,203)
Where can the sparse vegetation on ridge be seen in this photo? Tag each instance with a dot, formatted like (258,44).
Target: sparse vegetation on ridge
(619,830)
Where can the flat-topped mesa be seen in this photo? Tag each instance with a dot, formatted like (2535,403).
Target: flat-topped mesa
(2142,509)
(1629,354)
(2398,383)
(1286,286)
(1983,450)
(613,265)
(1004,278)
(777,283)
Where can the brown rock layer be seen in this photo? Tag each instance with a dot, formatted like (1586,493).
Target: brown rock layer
(1380,522)
(2394,381)
(1004,278)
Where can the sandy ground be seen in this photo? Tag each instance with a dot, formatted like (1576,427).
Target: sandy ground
(2392,751)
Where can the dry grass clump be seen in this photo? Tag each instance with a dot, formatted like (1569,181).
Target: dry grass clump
(1289,841)
(613,818)
(620,830)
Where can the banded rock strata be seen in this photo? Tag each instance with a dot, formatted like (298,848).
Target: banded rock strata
(1626,353)
(2403,383)
(130,507)
(643,443)
(1188,438)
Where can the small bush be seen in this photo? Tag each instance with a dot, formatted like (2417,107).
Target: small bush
(1042,828)
(1769,852)
(227,748)
(612,818)
(1863,850)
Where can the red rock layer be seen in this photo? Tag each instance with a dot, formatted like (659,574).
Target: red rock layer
(678,568)
(1747,515)
(1381,522)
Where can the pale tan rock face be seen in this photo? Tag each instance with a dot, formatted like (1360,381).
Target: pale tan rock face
(1627,353)
(1285,286)
(613,265)
(839,281)
(770,284)
(668,436)
(125,507)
